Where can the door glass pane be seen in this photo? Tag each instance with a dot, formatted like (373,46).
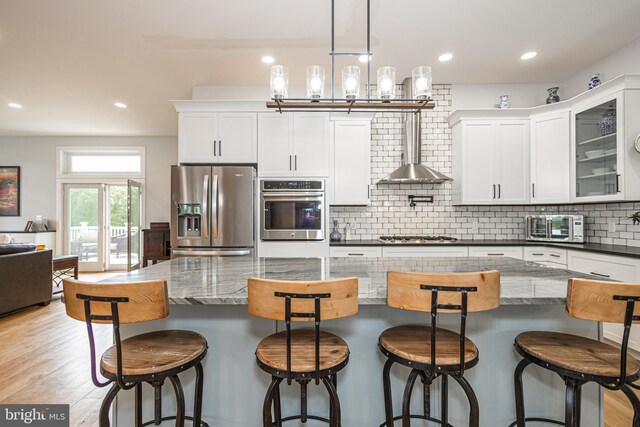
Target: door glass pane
(559,228)
(117,227)
(83,223)
(134,216)
(539,227)
(291,215)
(596,151)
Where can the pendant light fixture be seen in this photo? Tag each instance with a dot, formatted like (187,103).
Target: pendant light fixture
(381,97)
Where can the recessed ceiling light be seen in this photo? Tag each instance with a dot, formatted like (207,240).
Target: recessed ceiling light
(364,58)
(14,105)
(120,104)
(445,57)
(268,59)
(528,55)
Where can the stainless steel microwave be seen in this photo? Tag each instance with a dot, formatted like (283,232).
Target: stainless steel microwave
(555,228)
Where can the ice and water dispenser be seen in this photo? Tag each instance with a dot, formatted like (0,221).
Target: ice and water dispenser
(189,220)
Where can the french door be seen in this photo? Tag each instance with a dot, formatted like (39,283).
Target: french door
(103,225)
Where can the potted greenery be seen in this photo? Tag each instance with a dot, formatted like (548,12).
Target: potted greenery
(635,218)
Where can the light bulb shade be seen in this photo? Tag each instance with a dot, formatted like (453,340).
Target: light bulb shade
(422,81)
(351,82)
(315,82)
(279,83)
(386,82)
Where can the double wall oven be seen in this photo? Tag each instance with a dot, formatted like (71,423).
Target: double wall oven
(292,210)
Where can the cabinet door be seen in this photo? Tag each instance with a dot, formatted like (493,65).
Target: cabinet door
(496,251)
(351,162)
(355,252)
(550,161)
(237,140)
(196,137)
(311,144)
(511,175)
(597,151)
(478,162)
(443,251)
(275,144)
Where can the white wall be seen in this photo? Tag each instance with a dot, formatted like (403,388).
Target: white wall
(624,61)
(37,158)
(521,95)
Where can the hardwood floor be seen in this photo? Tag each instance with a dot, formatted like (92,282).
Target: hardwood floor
(44,358)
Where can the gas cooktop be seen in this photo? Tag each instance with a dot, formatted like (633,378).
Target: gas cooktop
(417,239)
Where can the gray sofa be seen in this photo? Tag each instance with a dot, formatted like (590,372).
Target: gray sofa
(25,277)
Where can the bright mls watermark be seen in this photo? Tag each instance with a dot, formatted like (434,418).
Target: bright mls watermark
(34,415)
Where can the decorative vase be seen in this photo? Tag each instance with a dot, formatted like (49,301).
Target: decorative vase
(608,123)
(553,95)
(595,81)
(335,235)
(504,101)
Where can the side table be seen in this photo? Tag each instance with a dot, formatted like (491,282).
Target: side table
(64,266)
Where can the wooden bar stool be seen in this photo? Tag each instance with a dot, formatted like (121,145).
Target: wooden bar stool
(433,352)
(578,360)
(302,355)
(150,358)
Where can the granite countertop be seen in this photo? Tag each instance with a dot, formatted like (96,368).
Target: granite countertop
(223,280)
(628,251)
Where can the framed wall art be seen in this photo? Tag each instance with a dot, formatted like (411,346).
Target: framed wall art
(9,190)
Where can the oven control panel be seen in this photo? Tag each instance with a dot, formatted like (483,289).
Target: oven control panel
(293,185)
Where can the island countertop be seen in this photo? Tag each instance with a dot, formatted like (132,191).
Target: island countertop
(223,280)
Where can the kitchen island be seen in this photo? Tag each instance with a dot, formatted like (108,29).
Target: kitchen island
(209,295)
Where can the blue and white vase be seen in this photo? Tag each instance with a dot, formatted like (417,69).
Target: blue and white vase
(553,95)
(504,101)
(595,81)
(608,123)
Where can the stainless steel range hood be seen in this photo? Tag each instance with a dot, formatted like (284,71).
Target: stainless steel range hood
(413,171)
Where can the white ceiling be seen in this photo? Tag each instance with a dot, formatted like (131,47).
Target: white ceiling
(68,61)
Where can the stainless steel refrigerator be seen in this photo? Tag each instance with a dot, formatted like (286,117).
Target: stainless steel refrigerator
(212,210)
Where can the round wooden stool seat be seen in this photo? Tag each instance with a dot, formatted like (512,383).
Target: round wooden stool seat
(413,342)
(155,352)
(272,351)
(575,353)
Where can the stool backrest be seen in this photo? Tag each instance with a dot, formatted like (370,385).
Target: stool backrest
(404,292)
(601,301)
(267,298)
(145,301)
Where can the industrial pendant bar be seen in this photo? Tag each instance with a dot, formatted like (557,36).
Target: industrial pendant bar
(350,100)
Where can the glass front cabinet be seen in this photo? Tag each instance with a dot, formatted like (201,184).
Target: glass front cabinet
(598,150)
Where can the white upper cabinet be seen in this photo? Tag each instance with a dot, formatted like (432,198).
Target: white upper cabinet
(351,162)
(550,158)
(293,144)
(491,162)
(217,137)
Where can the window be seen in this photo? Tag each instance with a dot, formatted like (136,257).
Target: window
(111,161)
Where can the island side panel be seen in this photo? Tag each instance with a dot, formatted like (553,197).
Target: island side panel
(234,386)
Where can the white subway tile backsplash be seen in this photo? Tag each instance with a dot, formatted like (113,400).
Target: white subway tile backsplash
(390,213)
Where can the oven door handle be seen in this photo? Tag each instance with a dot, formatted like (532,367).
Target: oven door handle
(293,194)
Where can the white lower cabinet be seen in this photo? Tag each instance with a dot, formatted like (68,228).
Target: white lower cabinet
(425,251)
(609,267)
(356,252)
(551,257)
(496,251)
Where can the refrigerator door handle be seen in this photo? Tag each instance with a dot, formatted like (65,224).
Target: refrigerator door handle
(205,206)
(214,207)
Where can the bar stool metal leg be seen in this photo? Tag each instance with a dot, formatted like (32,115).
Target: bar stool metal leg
(138,402)
(406,400)
(388,403)
(277,408)
(268,401)
(444,416)
(635,402)
(197,402)
(157,402)
(474,407)
(426,396)
(569,403)
(517,377)
(336,419)
(177,388)
(106,405)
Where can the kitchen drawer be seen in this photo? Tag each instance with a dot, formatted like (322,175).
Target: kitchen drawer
(605,266)
(356,251)
(558,256)
(425,251)
(537,253)
(496,251)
